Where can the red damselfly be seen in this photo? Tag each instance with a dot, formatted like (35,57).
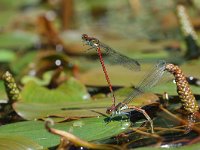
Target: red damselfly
(152,78)
(112,56)
(189,103)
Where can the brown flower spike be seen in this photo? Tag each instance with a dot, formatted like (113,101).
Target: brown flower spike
(188,100)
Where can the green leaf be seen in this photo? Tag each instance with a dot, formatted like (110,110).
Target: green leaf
(6,17)
(39,102)
(10,142)
(71,90)
(42,82)
(68,100)
(119,76)
(17,4)
(170,88)
(32,111)
(6,55)
(3,95)
(17,40)
(22,62)
(89,129)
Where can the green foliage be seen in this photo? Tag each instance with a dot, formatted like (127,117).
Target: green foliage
(19,64)
(6,55)
(87,129)
(71,90)
(10,142)
(2,91)
(17,40)
(69,99)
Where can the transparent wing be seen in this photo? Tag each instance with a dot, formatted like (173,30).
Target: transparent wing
(148,82)
(115,58)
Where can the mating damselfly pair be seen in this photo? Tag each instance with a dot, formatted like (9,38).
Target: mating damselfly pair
(148,82)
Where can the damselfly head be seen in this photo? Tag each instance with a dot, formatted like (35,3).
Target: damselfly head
(110,109)
(90,40)
(84,37)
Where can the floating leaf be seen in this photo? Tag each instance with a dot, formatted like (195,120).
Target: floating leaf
(39,102)
(10,142)
(70,99)
(18,65)
(190,68)
(89,129)
(17,40)
(16,4)
(119,76)
(3,95)
(31,111)
(6,55)
(69,91)
(6,17)
(42,82)
(170,88)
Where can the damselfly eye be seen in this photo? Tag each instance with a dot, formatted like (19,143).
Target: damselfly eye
(84,36)
(108,111)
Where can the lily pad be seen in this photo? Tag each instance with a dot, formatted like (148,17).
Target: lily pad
(42,82)
(3,95)
(18,65)
(170,88)
(17,40)
(70,99)
(190,68)
(6,55)
(71,90)
(18,143)
(16,4)
(6,17)
(89,129)
(32,111)
(119,76)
